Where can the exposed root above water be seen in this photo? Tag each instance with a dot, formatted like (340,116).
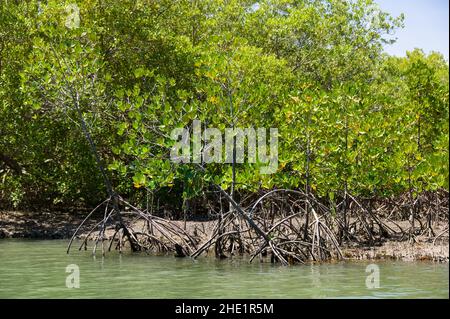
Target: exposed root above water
(285,226)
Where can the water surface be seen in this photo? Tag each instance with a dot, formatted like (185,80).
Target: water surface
(37,269)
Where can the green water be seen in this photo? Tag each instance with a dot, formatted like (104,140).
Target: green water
(37,269)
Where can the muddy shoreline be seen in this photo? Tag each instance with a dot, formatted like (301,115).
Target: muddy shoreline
(61,225)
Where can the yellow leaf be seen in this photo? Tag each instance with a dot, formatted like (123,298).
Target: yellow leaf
(213,100)
(295,98)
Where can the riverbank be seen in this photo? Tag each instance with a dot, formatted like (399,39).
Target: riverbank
(62,225)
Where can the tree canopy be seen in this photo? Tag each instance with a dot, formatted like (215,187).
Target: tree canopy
(348,114)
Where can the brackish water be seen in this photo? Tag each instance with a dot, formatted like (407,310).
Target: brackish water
(37,269)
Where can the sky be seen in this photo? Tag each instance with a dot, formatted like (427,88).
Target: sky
(426,25)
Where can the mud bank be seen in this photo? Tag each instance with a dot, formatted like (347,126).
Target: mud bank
(61,225)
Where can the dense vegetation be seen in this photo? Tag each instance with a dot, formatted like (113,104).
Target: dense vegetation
(351,119)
